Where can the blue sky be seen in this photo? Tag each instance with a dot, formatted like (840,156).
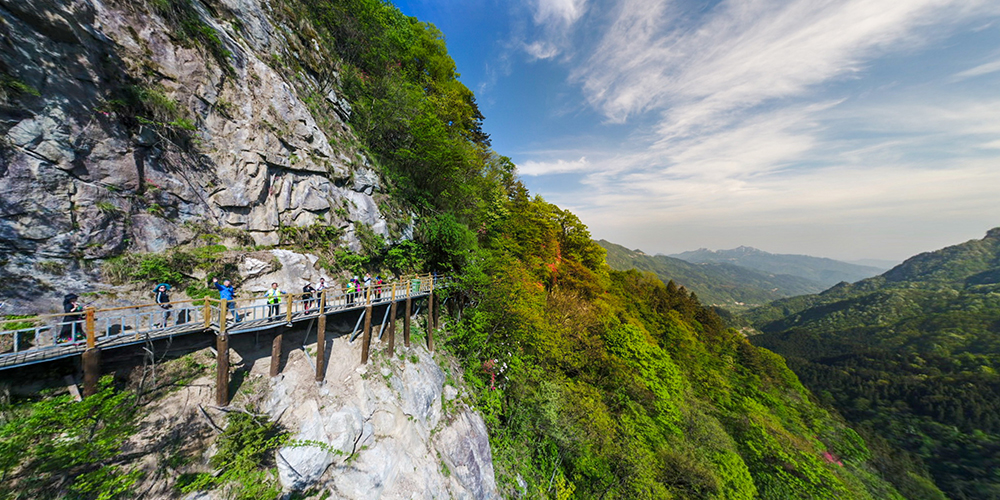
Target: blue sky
(846,128)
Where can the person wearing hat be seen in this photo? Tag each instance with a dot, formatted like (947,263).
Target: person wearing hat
(163,299)
(72,323)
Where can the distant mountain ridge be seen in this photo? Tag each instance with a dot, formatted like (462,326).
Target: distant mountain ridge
(912,354)
(826,272)
(715,283)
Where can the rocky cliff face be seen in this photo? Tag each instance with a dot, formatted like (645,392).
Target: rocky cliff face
(128,125)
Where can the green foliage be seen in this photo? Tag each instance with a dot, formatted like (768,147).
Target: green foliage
(54,447)
(192,30)
(407,257)
(911,358)
(610,384)
(137,104)
(12,87)
(446,242)
(245,457)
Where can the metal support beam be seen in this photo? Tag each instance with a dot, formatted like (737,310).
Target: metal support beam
(392,322)
(381,327)
(406,321)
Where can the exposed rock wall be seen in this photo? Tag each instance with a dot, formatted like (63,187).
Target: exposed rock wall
(230,142)
(391,429)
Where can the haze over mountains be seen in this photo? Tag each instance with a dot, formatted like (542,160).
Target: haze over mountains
(741,276)
(826,272)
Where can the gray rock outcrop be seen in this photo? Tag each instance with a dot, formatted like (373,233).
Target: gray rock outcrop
(120,134)
(381,431)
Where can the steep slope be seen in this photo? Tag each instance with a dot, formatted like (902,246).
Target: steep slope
(826,272)
(911,354)
(610,384)
(720,284)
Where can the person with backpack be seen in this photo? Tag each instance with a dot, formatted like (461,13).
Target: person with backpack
(72,325)
(308,296)
(163,299)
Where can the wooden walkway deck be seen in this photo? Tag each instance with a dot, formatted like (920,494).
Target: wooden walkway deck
(27,341)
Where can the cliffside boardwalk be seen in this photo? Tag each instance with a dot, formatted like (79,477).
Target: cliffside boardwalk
(35,339)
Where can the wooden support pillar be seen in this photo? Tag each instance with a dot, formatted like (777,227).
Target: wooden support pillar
(321,337)
(222,358)
(276,351)
(91,357)
(392,322)
(91,371)
(367,341)
(406,320)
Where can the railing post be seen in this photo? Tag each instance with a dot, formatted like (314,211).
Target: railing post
(288,313)
(91,357)
(392,322)
(90,328)
(222,357)
(207,313)
(321,337)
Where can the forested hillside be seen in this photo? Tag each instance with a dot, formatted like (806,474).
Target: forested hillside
(826,272)
(911,356)
(721,284)
(594,383)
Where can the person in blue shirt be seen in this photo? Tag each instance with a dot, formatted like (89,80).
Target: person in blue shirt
(227,293)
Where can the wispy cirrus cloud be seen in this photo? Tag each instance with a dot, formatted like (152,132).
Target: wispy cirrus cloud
(743,54)
(982,69)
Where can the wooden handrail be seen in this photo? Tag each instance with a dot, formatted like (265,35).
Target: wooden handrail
(404,281)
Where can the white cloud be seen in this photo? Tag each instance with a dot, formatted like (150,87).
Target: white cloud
(559,11)
(541,50)
(534,168)
(982,69)
(554,20)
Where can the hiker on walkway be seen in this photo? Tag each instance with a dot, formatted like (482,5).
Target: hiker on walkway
(321,286)
(378,288)
(308,296)
(163,299)
(273,300)
(227,293)
(352,287)
(72,323)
